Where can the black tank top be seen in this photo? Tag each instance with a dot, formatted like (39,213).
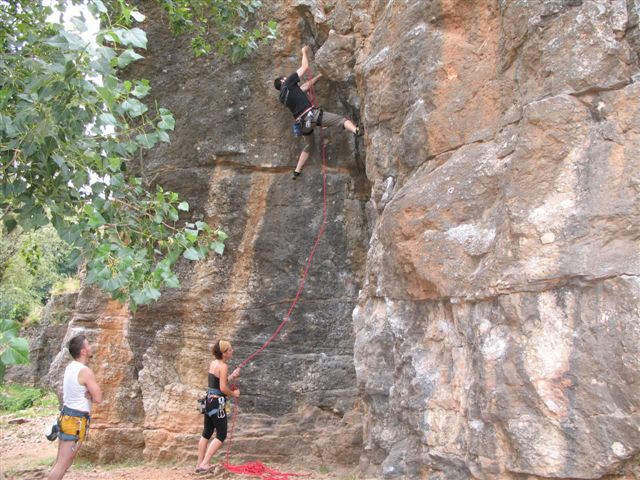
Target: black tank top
(214,382)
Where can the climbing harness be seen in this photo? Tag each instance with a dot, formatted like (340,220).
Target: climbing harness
(311,119)
(215,403)
(73,425)
(303,124)
(257,468)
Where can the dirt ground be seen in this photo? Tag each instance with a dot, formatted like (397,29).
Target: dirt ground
(26,454)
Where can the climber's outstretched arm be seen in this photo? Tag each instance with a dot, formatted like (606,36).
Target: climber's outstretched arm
(304,64)
(307,85)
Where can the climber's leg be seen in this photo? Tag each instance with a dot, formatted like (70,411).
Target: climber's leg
(333,120)
(309,146)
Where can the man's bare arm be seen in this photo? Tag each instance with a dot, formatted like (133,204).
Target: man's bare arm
(304,64)
(88,379)
(307,85)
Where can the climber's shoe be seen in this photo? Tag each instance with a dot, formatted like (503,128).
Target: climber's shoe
(296,174)
(359,131)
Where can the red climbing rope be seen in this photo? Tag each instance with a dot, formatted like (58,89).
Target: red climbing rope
(258,469)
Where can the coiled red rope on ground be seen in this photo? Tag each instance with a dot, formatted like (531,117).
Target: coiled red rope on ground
(258,469)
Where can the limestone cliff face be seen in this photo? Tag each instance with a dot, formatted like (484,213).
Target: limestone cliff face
(473,309)
(497,333)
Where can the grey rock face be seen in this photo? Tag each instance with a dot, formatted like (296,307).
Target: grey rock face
(472,391)
(506,260)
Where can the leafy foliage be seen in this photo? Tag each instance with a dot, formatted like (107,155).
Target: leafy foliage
(68,127)
(224,20)
(16,398)
(13,349)
(31,264)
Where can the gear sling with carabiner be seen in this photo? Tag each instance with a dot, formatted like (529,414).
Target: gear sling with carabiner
(303,125)
(215,403)
(73,424)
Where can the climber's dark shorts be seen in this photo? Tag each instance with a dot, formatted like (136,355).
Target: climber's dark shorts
(328,120)
(214,423)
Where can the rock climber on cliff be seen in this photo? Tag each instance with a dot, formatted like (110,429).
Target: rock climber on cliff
(294,97)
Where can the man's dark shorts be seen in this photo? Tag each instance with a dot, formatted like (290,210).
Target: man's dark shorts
(328,120)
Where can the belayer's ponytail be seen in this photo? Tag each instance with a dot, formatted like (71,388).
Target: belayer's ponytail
(219,348)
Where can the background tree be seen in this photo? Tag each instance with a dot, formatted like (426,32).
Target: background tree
(69,125)
(31,264)
(220,25)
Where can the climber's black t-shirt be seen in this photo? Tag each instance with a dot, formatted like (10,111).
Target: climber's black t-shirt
(297,101)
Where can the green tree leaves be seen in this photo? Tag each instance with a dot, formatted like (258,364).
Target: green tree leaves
(224,21)
(13,349)
(30,264)
(68,128)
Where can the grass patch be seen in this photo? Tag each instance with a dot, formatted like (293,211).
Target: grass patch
(84,465)
(18,398)
(34,317)
(66,285)
(45,463)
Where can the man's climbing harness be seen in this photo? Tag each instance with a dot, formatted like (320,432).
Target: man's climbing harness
(73,425)
(257,468)
(303,124)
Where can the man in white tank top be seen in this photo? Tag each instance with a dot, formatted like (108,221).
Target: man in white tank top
(79,392)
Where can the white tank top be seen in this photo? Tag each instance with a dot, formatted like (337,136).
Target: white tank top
(72,392)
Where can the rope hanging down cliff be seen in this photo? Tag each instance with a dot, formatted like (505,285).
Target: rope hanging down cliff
(258,468)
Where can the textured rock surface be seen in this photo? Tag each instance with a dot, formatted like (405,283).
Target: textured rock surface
(231,158)
(502,289)
(496,321)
